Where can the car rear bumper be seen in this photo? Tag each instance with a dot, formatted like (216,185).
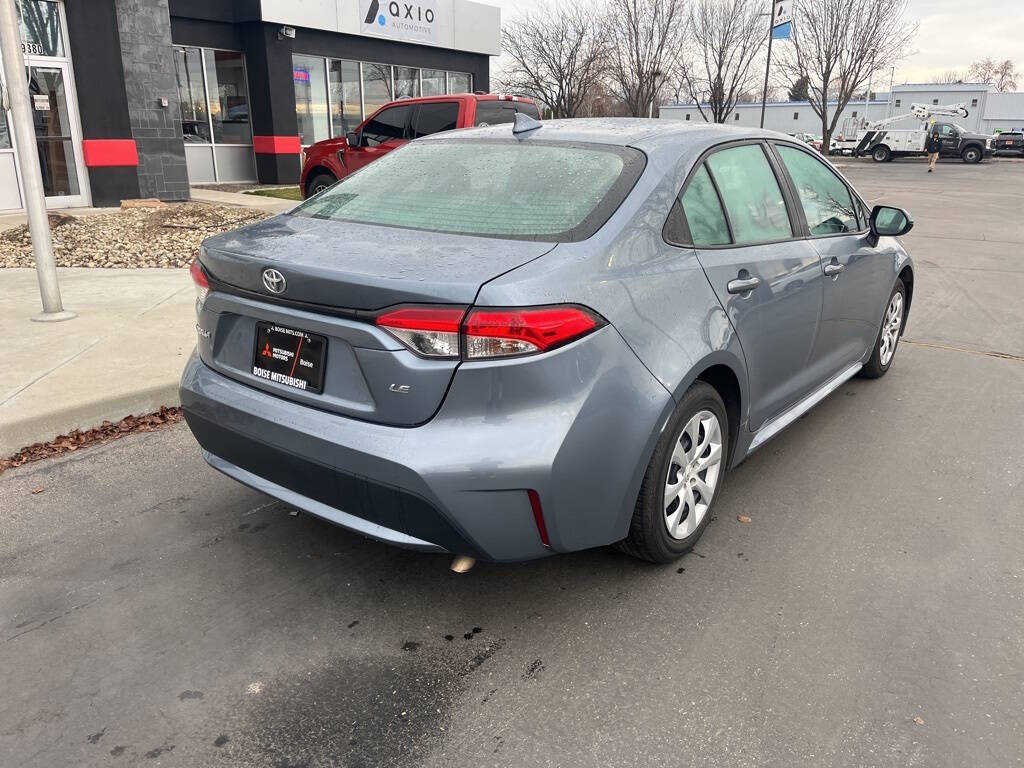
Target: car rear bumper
(576,425)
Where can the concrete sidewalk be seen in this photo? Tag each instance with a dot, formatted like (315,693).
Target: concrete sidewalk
(259,202)
(101,365)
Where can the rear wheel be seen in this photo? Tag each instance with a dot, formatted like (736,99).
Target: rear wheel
(682,479)
(971,155)
(881,154)
(888,335)
(319,183)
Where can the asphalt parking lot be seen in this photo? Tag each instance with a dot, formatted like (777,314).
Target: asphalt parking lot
(871,613)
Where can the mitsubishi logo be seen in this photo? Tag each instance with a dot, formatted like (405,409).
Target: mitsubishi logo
(274,281)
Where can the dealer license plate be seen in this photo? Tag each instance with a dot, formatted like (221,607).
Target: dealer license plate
(290,357)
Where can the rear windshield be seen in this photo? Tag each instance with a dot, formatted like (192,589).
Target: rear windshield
(529,190)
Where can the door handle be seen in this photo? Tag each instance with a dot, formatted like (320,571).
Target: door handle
(832,270)
(743,284)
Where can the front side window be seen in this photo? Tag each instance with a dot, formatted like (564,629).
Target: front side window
(434,118)
(824,198)
(229,99)
(310,97)
(533,190)
(751,194)
(703,211)
(388,125)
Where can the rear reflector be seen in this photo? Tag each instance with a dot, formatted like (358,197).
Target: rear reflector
(485,333)
(202,285)
(538,518)
(429,331)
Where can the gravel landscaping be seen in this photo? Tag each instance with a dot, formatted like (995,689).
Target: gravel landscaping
(166,236)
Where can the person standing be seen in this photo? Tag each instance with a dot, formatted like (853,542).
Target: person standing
(932,145)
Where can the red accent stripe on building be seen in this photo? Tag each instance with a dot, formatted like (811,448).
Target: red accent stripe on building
(99,153)
(276,145)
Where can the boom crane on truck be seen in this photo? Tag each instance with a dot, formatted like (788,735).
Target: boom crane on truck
(883,145)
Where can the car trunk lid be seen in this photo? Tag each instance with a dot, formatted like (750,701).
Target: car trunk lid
(361,266)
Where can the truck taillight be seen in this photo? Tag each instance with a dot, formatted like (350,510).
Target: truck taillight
(488,333)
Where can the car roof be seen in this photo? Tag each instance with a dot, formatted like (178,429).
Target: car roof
(643,133)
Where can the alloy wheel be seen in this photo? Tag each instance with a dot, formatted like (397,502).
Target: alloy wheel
(891,329)
(693,474)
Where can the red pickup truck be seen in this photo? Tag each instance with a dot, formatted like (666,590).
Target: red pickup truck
(400,121)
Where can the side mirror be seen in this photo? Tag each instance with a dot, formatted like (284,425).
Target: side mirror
(888,221)
(352,138)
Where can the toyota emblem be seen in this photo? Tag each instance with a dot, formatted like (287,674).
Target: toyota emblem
(274,281)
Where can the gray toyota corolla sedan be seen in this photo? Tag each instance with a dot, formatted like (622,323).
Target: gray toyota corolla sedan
(509,342)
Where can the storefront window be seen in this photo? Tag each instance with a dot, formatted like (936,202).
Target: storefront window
(229,98)
(310,98)
(434,82)
(39,21)
(377,86)
(188,69)
(460,82)
(407,82)
(5,134)
(346,99)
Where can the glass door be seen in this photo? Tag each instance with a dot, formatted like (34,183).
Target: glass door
(51,117)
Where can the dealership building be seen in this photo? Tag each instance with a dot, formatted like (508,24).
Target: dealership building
(141,98)
(988,111)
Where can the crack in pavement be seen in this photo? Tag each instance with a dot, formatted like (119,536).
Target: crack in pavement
(986,353)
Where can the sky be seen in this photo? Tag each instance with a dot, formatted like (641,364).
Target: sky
(951,35)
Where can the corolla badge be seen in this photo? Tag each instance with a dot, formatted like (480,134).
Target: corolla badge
(274,281)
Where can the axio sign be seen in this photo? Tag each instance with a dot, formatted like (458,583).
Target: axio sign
(409,20)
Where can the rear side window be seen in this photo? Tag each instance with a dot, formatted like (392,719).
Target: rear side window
(391,123)
(434,118)
(825,199)
(703,211)
(498,111)
(751,194)
(552,191)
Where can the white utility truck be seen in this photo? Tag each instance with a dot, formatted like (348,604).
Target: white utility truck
(883,143)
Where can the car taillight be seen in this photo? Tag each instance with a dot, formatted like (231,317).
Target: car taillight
(429,331)
(199,280)
(507,332)
(486,333)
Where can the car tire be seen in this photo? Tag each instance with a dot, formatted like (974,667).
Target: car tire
(661,532)
(971,155)
(319,183)
(889,334)
(881,154)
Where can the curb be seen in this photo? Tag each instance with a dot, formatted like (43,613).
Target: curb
(16,434)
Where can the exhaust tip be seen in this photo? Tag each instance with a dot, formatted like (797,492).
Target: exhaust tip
(462,563)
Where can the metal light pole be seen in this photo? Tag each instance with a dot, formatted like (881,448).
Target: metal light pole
(28,157)
(768,64)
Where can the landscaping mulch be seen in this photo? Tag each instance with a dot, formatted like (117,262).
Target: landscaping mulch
(165,236)
(104,433)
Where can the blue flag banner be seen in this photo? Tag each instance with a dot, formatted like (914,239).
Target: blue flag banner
(783,31)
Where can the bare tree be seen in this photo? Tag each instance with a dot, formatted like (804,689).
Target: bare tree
(949,76)
(839,44)
(557,56)
(726,36)
(1002,74)
(645,38)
